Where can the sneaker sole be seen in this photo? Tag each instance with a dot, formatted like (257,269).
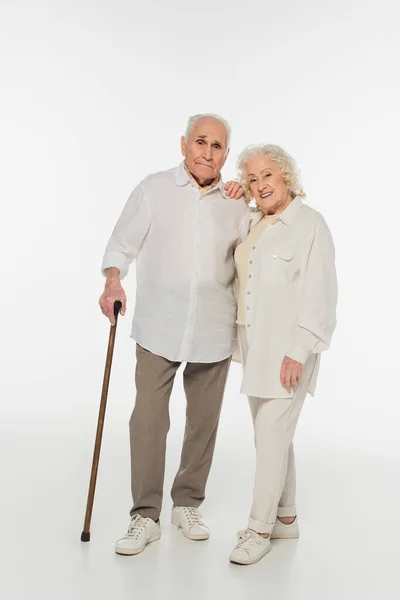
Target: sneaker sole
(132,552)
(193,536)
(250,561)
(286,536)
(196,537)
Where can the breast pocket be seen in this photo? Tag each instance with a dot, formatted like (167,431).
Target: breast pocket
(277,265)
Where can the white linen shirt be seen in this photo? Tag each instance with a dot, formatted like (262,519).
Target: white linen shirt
(290,297)
(183,241)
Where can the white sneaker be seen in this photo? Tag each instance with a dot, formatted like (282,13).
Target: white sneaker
(285,532)
(141,532)
(189,519)
(251,547)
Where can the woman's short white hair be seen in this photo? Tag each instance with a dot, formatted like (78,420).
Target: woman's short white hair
(289,170)
(195,118)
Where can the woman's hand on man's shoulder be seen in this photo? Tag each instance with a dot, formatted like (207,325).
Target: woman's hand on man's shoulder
(234,190)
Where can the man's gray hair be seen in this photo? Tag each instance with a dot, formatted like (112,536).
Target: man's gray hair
(195,118)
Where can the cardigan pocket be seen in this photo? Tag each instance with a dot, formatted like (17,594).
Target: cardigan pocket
(276,264)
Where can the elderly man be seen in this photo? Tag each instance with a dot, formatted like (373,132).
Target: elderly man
(182,229)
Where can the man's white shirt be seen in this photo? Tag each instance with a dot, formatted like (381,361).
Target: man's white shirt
(183,241)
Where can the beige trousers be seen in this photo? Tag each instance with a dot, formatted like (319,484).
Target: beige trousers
(204,385)
(275,421)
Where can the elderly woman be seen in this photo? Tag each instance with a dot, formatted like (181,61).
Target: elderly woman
(286,315)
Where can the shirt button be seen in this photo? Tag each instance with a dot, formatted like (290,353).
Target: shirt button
(248,307)
(251,262)
(253,248)
(248,325)
(274,256)
(248,292)
(249,276)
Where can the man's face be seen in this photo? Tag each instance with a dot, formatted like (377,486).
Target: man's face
(206,150)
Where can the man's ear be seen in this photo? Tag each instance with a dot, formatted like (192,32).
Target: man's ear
(227,154)
(183,145)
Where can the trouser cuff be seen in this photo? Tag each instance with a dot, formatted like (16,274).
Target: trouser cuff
(187,502)
(146,513)
(260,527)
(287,511)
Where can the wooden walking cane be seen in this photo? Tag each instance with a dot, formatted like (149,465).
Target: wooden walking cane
(85,536)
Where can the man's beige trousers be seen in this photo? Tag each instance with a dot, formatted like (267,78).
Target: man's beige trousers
(275,421)
(204,385)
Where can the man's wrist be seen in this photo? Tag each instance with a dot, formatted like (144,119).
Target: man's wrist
(112,275)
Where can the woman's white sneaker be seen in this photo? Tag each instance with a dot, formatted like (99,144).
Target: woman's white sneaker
(141,532)
(285,532)
(250,547)
(190,521)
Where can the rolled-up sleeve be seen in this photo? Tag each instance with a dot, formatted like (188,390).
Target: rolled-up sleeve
(129,232)
(317,297)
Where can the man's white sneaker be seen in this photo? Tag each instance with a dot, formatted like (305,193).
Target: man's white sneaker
(251,547)
(141,532)
(189,519)
(285,532)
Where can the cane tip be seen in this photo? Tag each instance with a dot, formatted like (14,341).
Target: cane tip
(85,536)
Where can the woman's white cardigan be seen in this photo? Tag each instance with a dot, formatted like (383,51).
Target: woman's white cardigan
(290,298)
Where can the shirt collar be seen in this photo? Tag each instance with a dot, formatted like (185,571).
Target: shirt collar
(287,216)
(182,178)
(290,213)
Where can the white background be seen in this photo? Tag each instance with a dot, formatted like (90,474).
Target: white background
(94,96)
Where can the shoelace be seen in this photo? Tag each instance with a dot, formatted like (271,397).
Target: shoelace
(247,538)
(193,515)
(136,527)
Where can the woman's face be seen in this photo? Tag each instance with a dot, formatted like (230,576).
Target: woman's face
(266,185)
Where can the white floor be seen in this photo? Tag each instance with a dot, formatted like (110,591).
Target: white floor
(348,499)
